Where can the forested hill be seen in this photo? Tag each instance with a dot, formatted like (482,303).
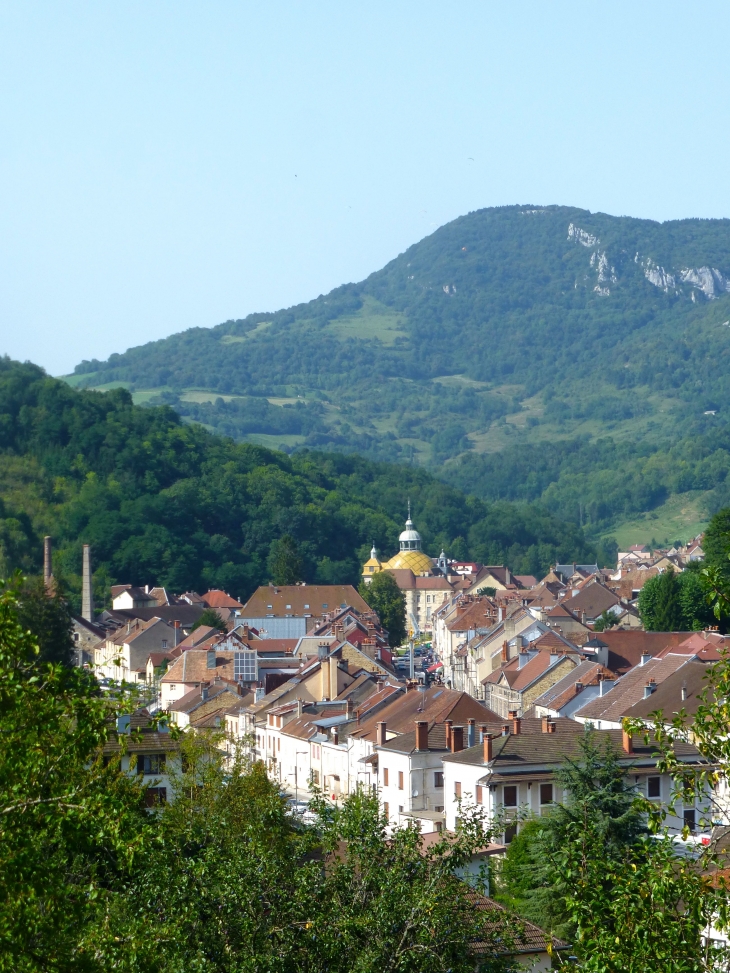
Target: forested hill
(507,328)
(165,502)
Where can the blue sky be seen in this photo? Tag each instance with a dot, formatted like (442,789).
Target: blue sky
(170,165)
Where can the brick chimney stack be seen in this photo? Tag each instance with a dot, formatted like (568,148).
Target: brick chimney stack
(380,733)
(421,734)
(457,739)
(516,724)
(487,744)
(627,742)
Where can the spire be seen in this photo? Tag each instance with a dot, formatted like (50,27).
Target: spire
(374,552)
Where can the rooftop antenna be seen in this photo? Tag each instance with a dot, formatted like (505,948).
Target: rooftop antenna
(409,508)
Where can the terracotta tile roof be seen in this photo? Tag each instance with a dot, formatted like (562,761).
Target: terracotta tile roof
(593,599)
(319,597)
(436,704)
(480,613)
(626,646)
(564,690)
(692,678)
(704,645)
(519,679)
(201,634)
(526,580)
(220,599)
(192,667)
(517,935)
(629,689)
(523,752)
(436,583)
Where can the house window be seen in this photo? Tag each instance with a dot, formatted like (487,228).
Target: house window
(173,688)
(438,808)
(438,779)
(689,818)
(509,798)
(479,794)
(151,763)
(509,833)
(270,607)
(457,788)
(289,607)
(306,606)
(164,643)
(385,776)
(386,809)
(546,793)
(428,599)
(400,809)
(654,787)
(400,780)
(76,636)
(155,796)
(324,604)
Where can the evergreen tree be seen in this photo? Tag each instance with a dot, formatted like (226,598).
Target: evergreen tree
(285,563)
(46,614)
(385,597)
(212,618)
(660,603)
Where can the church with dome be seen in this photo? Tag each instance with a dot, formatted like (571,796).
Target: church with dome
(424,581)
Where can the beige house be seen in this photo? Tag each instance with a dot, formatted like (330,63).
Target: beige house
(516,686)
(124,654)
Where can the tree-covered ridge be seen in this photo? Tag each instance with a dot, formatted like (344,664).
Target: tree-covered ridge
(502,331)
(164,501)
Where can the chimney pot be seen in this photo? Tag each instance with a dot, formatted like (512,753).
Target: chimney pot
(546,724)
(627,742)
(457,739)
(335,735)
(487,745)
(471,733)
(380,729)
(421,734)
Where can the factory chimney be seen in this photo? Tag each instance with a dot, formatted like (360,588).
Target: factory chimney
(87,594)
(47,560)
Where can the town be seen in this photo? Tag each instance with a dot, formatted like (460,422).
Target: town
(500,677)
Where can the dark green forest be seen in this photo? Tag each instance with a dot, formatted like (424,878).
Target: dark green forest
(163,501)
(515,357)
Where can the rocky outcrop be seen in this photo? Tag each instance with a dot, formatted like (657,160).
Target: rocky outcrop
(709,280)
(582,236)
(660,278)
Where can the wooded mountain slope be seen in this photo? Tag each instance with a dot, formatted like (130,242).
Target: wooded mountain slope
(507,328)
(165,502)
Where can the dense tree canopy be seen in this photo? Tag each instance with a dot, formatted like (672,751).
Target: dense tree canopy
(161,501)
(499,313)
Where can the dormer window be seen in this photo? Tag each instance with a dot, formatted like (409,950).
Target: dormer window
(269,607)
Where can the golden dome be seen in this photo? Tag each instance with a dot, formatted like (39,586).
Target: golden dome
(417,561)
